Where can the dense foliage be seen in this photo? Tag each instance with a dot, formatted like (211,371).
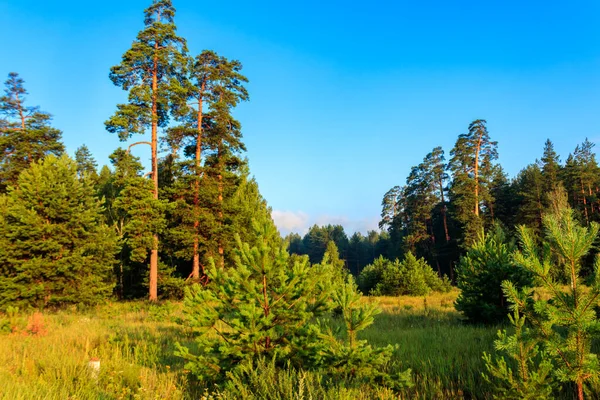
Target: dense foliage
(411,276)
(479,276)
(263,308)
(54,248)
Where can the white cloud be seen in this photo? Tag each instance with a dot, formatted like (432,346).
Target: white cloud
(300,222)
(290,221)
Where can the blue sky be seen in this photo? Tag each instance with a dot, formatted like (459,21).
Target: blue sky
(345,96)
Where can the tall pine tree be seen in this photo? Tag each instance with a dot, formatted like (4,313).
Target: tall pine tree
(152,71)
(472,171)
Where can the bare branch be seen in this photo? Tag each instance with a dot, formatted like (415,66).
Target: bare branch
(135,144)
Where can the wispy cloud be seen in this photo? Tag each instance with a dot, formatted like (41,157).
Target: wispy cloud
(300,222)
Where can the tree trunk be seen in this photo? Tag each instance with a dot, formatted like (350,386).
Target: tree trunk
(196,262)
(153,295)
(444,218)
(21,114)
(221,251)
(585,210)
(477,175)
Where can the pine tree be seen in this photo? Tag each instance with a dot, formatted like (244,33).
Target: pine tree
(419,203)
(436,167)
(265,309)
(86,164)
(55,250)
(527,375)
(215,86)
(531,190)
(259,307)
(136,216)
(25,133)
(472,166)
(550,166)
(480,274)
(565,323)
(390,207)
(151,71)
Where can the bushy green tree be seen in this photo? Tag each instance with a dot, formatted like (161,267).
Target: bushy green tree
(54,248)
(527,373)
(566,322)
(411,276)
(257,308)
(263,308)
(480,273)
(136,216)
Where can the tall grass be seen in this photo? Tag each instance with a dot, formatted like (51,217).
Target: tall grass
(135,342)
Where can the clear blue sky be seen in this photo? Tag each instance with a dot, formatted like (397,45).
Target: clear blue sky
(345,96)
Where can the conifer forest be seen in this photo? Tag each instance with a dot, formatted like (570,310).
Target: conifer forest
(168,278)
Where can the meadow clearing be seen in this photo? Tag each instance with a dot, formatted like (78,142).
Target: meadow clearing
(47,355)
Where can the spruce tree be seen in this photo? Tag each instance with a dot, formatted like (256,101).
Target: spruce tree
(152,71)
(55,249)
(25,133)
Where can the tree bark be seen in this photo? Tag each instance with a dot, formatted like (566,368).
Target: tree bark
(585,210)
(153,295)
(196,261)
(477,174)
(444,218)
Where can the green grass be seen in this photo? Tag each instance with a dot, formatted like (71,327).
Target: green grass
(135,344)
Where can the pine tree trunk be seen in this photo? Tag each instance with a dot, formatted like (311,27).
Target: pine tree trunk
(477,175)
(196,262)
(221,251)
(585,210)
(579,390)
(21,114)
(444,218)
(153,295)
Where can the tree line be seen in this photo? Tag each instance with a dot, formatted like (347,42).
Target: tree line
(444,205)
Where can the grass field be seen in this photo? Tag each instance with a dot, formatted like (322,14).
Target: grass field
(135,342)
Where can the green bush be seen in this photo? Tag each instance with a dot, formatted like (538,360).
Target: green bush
(480,274)
(412,276)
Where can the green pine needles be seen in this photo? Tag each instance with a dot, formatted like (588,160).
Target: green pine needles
(54,248)
(479,276)
(267,306)
(566,323)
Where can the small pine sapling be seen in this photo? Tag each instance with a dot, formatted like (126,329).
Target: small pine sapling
(354,359)
(527,372)
(259,307)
